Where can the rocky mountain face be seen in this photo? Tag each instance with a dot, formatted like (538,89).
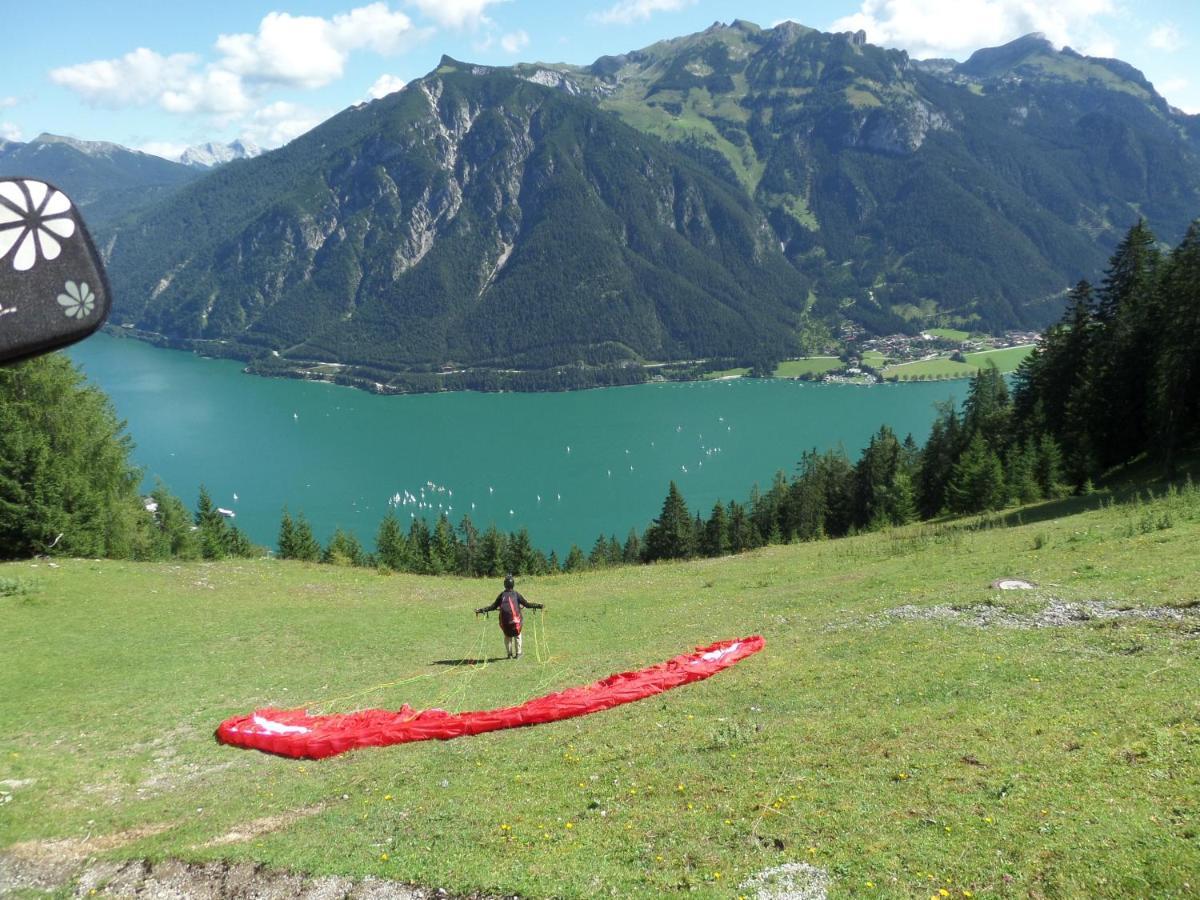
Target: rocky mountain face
(473,219)
(738,192)
(211,154)
(107,181)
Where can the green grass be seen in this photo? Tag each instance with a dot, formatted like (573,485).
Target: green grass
(911,755)
(950,334)
(1006,360)
(812,365)
(728,373)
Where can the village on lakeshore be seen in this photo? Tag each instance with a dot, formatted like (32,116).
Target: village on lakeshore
(932,355)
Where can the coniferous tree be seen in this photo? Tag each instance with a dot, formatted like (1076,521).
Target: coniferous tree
(343,549)
(575,561)
(174,538)
(306,546)
(987,407)
(614,551)
(977,479)
(937,461)
(468,547)
(493,548)
(874,480)
(287,537)
(1177,373)
(391,547)
(1118,394)
(598,558)
(716,532)
(443,548)
(670,537)
(240,546)
(1048,467)
(67,485)
(213,533)
(1020,473)
(521,557)
(741,536)
(631,553)
(418,546)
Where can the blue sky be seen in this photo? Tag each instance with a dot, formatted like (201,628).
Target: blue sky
(160,76)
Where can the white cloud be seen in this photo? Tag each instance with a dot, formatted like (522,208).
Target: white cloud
(214,92)
(277,123)
(234,88)
(958,27)
(8,102)
(165,149)
(307,51)
(515,42)
(1165,37)
(384,85)
(626,12)
(456,13)
(136,79)
(9,132)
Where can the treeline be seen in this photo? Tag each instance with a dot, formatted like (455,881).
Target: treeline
(1119,375)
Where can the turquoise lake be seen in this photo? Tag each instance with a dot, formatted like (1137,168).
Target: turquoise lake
(567,466)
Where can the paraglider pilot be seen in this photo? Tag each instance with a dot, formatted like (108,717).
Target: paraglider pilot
(509,603)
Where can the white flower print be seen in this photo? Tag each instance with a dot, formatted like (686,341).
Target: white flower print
(33,216)
(78,302)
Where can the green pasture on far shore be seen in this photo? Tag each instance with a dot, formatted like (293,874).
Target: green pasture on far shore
(950,334)
(1006,360)
(907,731)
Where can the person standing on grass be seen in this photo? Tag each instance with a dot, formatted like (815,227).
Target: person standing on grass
(509,603)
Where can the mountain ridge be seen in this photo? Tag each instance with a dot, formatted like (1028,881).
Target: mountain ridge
(896,195)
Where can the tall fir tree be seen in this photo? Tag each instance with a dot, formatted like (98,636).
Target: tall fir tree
(1176,377)
(671,536)
(391,547)
(67,485)
(214,537)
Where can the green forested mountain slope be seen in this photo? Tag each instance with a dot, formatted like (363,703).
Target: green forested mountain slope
(738,192)
(979,190)
(472,219)
(105,180)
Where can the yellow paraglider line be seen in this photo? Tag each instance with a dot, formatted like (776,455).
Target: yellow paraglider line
(470,664)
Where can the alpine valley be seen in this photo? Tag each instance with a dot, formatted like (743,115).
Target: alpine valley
(741,194)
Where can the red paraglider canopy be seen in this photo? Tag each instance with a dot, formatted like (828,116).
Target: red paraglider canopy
(296,734)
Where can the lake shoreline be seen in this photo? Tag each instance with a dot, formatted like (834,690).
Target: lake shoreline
(482,381)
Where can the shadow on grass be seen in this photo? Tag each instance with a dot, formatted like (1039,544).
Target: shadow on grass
(465,662)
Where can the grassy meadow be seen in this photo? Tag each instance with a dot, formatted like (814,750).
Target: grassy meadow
(1006,360)
(878,737)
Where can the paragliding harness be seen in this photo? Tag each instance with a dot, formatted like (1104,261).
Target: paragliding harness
(510,613)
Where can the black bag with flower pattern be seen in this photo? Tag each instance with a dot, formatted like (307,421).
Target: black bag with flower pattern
(53,290)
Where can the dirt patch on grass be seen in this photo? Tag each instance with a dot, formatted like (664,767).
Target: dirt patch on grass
(1055,614)
(50,865)
(70,865)
(265,825)
(173,878)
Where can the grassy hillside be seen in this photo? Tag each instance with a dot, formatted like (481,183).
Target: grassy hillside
(884,737)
